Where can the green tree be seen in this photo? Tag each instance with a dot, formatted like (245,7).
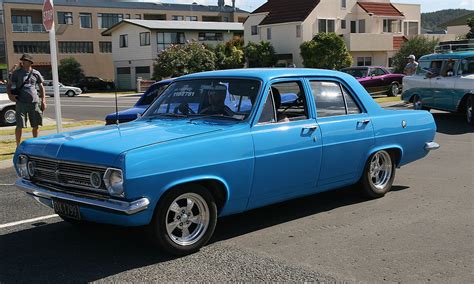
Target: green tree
(179,60)
(230,55)
(417,46)
(470,23)
(260,54)
(325,51)
(70,71)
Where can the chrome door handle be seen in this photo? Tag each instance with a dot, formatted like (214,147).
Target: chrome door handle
(310,127)
(364,121)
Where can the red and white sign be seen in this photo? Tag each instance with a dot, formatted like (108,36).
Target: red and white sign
(48,15)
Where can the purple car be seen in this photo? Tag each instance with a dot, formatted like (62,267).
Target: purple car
(377,80)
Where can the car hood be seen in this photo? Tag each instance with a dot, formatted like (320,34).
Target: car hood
(104,145)
(130,113)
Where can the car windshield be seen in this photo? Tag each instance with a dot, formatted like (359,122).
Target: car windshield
(357,72)
(231,99)
(150,95)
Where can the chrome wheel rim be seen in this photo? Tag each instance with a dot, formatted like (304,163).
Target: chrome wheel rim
(395,89)
(70,93)
(380,170)
(417,104)
(187,219)
(469,110)
(10,116)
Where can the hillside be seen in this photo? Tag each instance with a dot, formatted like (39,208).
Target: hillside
(434,20)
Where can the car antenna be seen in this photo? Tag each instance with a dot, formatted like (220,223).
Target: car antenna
(116,106)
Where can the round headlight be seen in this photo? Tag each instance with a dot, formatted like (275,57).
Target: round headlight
(22,166)
(31,167)
(113,180)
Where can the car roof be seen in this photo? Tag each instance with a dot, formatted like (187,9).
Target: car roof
(453,55)
(266,74)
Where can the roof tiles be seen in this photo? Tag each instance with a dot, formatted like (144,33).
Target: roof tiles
(285,11)
(380,9)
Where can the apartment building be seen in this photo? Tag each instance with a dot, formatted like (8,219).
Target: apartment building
(372,29)
(459,25)
(136,43)
(80,23)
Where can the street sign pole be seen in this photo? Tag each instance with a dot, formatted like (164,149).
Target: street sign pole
(48,22)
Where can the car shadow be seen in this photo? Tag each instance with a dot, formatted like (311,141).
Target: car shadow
(60,252)
(452,123)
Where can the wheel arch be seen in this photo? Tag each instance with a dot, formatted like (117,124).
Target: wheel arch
(395,151)
(216,186)
(462,102)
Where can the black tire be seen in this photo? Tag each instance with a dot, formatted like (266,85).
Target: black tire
(8,116)
(469,110)
(418,103)
(158,230)
(394,86)
(70,93)
(370,188)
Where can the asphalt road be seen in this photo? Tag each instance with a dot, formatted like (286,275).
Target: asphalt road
(90,107)
(422,231)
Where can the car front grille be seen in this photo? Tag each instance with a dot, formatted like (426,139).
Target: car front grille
(67,174)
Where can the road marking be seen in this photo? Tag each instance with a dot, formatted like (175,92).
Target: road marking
(3,226)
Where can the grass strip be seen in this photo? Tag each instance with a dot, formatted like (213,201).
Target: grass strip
(52,127)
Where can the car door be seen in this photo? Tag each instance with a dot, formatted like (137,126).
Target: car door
(347,133)
(443,86)
(287,145)
(378,81)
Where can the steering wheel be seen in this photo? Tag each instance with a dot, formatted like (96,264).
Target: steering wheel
(184,108)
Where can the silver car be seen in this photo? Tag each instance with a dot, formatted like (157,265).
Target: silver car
(63,90)
(7,110)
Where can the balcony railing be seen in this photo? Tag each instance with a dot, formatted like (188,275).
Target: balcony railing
(28,28)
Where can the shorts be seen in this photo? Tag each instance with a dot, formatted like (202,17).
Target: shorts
(28,111)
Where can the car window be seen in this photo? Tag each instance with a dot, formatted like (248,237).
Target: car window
(230,98)
(268,113)
(448,68)
(466,67)
(435,68)
(332,100)
(376,72)
(289,101)
(423,67)
(356,72)
(152,94)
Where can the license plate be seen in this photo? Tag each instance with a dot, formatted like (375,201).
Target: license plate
(66,209)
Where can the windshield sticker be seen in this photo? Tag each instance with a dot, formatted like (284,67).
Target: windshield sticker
(184,92)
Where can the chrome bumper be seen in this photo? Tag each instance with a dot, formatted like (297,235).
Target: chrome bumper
(115,206)
(431,146)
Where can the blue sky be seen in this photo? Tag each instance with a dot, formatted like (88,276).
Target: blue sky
(426,5)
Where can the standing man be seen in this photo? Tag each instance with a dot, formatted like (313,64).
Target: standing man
(411,66)
(29,105)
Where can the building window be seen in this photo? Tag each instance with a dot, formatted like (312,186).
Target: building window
(361,26)
(410,28)
(210,36)
(254,30)
(105,46)
(326,26)
(191,18)
(353,27)
(298,31)
(391,26)
(144,39)
(343,24)
(123,70)
(390,62)
(364,61)
(34,47)
(21,19)
(76,47)
(269,33)
(138,16)
(343,4)
(86,20)
(106,20)
(226,19)
(123,41)
(177,18)
(165,40)
(142,70)
(65,18)
(127,16)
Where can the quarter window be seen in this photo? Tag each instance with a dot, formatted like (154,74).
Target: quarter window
(332,100)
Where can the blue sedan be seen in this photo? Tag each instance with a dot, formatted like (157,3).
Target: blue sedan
(196,155)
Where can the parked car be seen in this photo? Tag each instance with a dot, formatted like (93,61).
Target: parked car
(63,90)
(377,79)
(7,109)
(142,104)
(444,82)
(177,168)
(155,90)
(94,84)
